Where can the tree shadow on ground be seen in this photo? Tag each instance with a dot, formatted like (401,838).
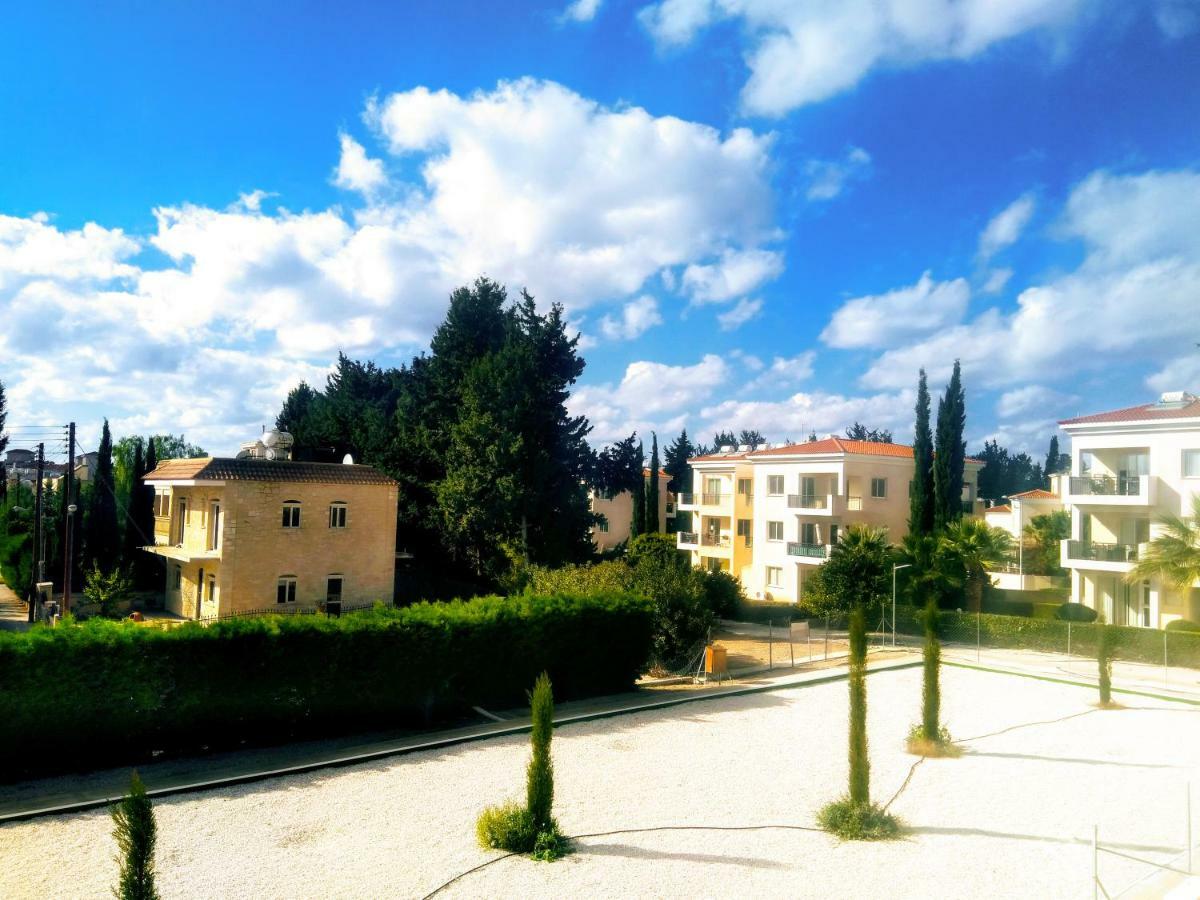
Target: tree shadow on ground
(1072,760)
(626,850)
(1037,838)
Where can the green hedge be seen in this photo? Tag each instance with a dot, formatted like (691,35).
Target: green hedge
(1050,635)
(107,693)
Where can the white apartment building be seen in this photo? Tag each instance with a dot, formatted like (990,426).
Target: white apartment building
(1128,468)
(772,515)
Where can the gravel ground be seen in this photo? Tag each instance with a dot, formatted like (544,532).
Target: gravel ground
(1012,817)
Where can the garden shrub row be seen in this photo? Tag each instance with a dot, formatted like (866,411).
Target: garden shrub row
(1050,635)
(106,693)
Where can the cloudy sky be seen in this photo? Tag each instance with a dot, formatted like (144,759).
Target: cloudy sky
(758,213)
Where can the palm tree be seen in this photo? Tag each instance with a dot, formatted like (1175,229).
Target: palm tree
(976,545)
(1173,556)
(932,569)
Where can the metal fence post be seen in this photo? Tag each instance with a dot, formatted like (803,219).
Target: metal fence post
(770,644)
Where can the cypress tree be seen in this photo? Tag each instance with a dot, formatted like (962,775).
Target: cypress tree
(1104,661)
(102,535)
(950,453)
(921,499)
(135,833)
(931,692)
(638,526)
(652,523)
(134,526)
(860,764)
(539,779)
(1053,459)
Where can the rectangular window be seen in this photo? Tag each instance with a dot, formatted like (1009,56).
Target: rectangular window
(181,507)
(285,590)
(178,578)
(808,533)
(833,533)
(775,485)
(808,486)
(774,531)
(1087,462)
(337,515)
(212,588)
(745,487)
(774,576)
(214,526)
(162,505)
(602,525)
(879,488)
(291,514)
(1191,463)
(743,527)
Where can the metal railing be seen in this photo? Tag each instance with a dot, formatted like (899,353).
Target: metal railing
(687,499)
(817,551)
(1102,552)
(714,540)
(711,499)
(807,501)
(1106,485)
(854,504)
(688,538)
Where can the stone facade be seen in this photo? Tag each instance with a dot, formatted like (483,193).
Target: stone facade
(227,548)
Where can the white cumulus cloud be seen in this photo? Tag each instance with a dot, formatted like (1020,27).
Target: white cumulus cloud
(880,320)
(829,177)
(581,11)
(637,317)
(355,170)
(1006,226)
(744,311)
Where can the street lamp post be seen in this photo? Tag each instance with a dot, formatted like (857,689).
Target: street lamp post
(895,569)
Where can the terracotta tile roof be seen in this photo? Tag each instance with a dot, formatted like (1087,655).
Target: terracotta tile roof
(1035,494)
(662,473)
(226,469)
(1189,409)
(998,509)
(827,445)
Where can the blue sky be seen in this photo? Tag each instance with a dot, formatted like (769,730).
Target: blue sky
(758,214)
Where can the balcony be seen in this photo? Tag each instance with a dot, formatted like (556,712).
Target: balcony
(710,539)
(808,551)
(1127,490)
(1096,555)
(687,540)
(854,504)
(809,501)
(688,501)
(712,499)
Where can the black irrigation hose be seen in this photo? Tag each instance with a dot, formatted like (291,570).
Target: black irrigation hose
(579,837)
(912,771)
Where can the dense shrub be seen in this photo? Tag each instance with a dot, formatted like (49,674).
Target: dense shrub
(136,834)
(1075,612)
(1128,642)
(994,602)
(105,692)
(771,612)
(681,595)
(1186,625)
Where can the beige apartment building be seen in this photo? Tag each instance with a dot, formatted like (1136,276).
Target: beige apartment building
(1128,468)
(771,516)
(246,534)
(617,510)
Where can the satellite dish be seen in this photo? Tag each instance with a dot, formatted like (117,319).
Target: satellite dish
(347,460)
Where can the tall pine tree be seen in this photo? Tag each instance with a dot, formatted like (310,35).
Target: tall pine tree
(675,463)
(639,498)
(921,500)
(652,523)
(102,539)
(950,452)
(135,534)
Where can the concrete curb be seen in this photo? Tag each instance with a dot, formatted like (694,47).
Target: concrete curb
(437,744)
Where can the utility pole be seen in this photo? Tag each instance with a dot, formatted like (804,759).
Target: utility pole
(39,564)
(69,520)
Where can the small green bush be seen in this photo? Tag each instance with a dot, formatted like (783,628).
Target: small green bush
(506,827)
(1075,612)
(550,845)
(1184,625)
(136,834)
(724,593)
(852,821)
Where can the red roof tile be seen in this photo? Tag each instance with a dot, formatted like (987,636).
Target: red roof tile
(827,445)
(998,509)
(1189,409)
(227,469)
(1035,494)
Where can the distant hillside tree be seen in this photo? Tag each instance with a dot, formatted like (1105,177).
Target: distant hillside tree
(860,432)
(675,463)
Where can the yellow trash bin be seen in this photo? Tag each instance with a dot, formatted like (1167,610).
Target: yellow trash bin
(715,660)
